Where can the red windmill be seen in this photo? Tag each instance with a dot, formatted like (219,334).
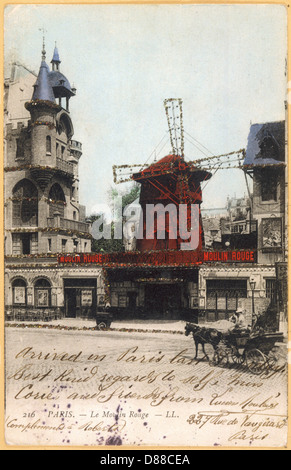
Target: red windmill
(170,181)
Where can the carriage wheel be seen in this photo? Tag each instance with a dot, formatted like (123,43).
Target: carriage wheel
(102,325)
(255,361)
(238,358)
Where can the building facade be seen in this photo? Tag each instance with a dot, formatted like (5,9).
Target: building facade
(43,214)
(43,218)
(221,288)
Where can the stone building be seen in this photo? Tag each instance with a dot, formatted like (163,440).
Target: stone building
(43,215)
(223,287)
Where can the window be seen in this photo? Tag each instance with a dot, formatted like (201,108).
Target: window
(57,200)
(49,245)
(25,204)
(269,183)
(19,149)
(224,294)
(64,244)
(76,245)
(271,289)
(26,243)
(269,148)
(48,145)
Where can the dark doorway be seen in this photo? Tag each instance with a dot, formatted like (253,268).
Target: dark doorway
(71,303)
(163,301)
(132,298)
(80,298)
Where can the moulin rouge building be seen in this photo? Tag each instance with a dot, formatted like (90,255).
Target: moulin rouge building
(44,222)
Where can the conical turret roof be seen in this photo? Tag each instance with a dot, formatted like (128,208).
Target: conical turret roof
(42,88)
(56,57)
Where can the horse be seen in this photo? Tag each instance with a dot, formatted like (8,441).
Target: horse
(203,336)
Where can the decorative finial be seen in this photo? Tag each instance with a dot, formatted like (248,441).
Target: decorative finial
(43,52)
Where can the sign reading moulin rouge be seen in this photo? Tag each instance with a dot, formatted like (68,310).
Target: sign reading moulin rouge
(160,258)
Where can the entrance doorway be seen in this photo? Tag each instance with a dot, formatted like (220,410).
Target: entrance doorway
(80,298)
(163,301)
(71,303)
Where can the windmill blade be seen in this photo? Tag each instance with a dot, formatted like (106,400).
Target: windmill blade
(174,113)
(123,173)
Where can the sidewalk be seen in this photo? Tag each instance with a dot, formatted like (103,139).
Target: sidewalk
(163,326)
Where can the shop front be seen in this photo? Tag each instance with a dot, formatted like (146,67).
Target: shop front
(224,289)
(154,293)
(80,297)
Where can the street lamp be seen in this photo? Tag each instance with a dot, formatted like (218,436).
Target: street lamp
(253,286)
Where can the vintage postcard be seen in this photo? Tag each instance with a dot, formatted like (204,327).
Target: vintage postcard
(146,225)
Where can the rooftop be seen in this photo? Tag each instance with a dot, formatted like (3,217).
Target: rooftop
(266,144)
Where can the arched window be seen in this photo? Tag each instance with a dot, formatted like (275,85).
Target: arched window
(57,200)
(19,292)
(48,144)
(25,204)
(42,293)
(65,124)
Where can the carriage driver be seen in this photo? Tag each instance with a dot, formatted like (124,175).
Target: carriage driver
(239,319)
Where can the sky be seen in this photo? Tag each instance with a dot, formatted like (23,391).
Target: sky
(226,62)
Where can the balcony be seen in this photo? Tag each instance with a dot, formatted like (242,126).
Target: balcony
(75,145)
(65,166)
(67,224)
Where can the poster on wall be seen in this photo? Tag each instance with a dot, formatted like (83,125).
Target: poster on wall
(272,233)
(87,298)
(19,295)
(43,298)
(158,137)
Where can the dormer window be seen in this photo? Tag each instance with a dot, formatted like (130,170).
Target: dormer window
(269,148)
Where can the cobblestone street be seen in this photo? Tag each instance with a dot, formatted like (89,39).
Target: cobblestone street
(117,387)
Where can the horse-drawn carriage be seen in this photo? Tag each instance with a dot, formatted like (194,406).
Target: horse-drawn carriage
(254,348)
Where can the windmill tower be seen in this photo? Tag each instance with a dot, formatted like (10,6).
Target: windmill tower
(170,180)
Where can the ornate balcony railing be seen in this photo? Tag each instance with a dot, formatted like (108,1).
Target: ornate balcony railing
(67,224)
(75,145)
(67,167)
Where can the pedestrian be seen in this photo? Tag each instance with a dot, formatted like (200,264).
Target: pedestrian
(239,319)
